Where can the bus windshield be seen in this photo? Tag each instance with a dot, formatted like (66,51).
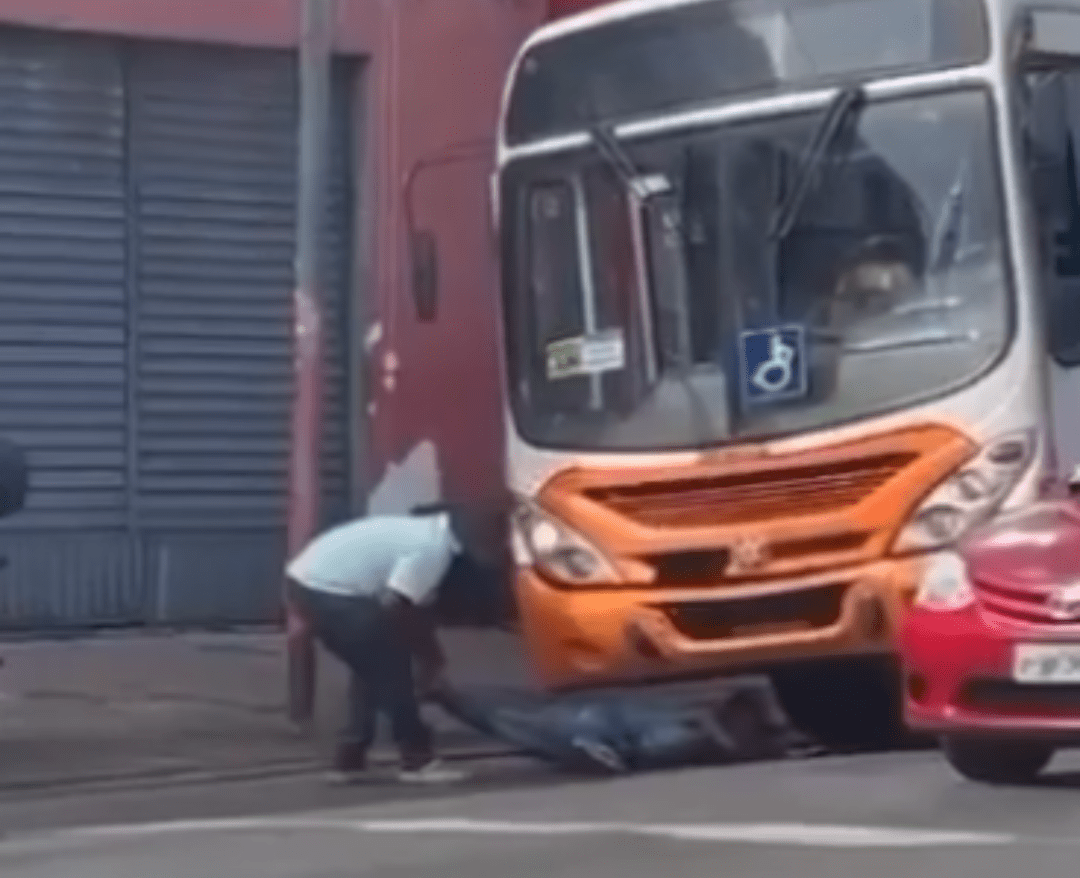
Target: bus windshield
(680,57)
(630,316)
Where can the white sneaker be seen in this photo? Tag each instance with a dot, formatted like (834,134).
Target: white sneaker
(337,778)
(434,772)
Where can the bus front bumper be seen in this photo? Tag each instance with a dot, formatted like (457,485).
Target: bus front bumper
(585,637)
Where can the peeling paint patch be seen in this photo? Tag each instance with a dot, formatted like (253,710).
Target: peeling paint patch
(373,337)
(391,364)
(414,481)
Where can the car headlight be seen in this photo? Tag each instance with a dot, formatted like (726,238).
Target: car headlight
(970,496)
(556,550)
(945,584)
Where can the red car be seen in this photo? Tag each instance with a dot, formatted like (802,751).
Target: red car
(991,648)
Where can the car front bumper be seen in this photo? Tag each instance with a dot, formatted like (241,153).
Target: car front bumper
(958,677)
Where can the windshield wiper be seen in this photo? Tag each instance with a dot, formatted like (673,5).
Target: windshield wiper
(925,338)
(843,108)
(641,186)
(643,189)
(946,245)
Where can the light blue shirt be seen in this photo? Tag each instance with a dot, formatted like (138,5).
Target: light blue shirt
(407,554)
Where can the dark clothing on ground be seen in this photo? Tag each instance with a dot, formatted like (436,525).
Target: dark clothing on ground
(616,732)
(359,631)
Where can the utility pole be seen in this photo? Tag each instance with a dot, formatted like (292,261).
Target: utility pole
(315,60)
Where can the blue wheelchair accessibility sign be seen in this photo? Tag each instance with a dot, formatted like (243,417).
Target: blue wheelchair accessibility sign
(773,364)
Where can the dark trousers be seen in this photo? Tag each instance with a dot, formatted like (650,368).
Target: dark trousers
(359,632)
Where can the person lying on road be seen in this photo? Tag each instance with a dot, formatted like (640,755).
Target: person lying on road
(617,732)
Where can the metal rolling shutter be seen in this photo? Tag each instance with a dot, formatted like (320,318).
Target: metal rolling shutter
(213,160)
(63,339)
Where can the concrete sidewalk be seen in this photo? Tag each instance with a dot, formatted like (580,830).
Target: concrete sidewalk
(124,708)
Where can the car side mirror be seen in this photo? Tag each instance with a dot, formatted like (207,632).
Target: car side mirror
(14,478)
(424,262)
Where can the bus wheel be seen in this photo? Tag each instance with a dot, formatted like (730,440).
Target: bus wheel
(996,762)
(844,704)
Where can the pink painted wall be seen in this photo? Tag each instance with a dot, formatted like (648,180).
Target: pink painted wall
(444,88)
(559,8)
(242,22)
(446,72)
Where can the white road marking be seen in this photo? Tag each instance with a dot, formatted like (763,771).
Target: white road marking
(806,834)
(776,834)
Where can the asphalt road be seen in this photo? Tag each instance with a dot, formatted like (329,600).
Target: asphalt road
(901,815)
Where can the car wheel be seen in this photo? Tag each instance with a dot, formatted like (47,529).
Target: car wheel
(997,762)
(850,704)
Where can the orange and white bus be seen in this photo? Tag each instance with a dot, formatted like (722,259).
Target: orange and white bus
(791,294)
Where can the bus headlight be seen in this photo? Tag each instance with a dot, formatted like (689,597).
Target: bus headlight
(945,584)
(970,496)
(556,550)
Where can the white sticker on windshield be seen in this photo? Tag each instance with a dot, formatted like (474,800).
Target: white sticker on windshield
(586,355)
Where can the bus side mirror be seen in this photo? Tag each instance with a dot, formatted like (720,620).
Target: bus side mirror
(424,262)
(14,478)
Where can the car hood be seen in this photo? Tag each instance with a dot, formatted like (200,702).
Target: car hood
(1038,546)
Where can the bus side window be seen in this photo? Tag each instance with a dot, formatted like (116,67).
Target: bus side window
(1067,240)
(1052,135)
(557,314)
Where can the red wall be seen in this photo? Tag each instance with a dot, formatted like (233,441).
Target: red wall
(250,22)
(559,8)
(442,90)
(444,82)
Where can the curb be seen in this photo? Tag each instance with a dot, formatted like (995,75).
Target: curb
(186,777)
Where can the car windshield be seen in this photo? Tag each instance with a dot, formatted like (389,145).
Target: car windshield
(676,314)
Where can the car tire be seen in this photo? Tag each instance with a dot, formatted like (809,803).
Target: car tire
(996,761)
(852,704)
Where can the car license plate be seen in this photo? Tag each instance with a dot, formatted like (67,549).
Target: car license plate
(1047,663)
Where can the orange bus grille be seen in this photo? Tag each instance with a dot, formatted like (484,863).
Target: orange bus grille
(751,497)
(804,610)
